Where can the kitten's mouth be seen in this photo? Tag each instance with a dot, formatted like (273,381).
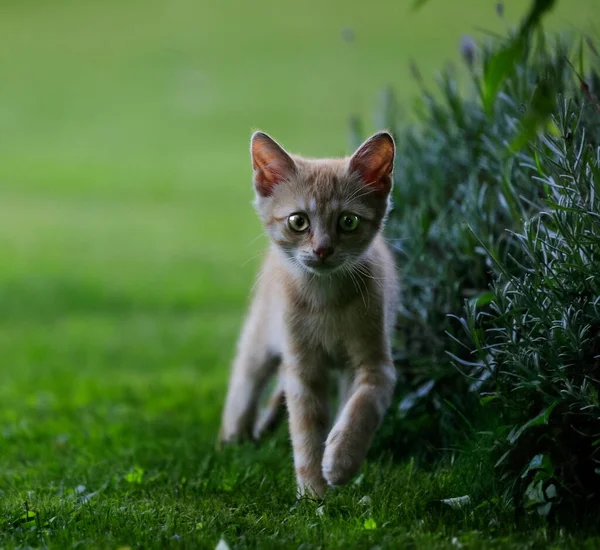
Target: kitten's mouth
(320,267)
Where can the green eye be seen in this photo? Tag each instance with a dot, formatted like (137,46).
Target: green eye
(348,222)
(298,222)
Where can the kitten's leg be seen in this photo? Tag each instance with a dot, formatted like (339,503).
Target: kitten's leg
(248,379)
(351,436)
(254,364)
(344,390)
(273,412)
(306,396)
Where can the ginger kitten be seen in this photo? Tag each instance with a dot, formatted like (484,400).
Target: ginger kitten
(326,298)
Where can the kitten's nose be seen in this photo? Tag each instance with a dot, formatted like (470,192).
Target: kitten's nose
(323,252)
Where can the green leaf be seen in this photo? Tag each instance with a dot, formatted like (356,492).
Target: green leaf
(551,491)
(539,462)
(485,400)
(545,509)
(534,494)
(534,17)
(370,524)
(497,69)
(502,459)
(503,62)
(27,519)
(418,4)
(457,503)
(135,475)
(484,299)
(540,420)
(537,115)
(536,462)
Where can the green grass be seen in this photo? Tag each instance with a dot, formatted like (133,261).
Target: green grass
(128,250)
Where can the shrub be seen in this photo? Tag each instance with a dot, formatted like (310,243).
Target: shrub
(540,343)
(474,188)
(456,179)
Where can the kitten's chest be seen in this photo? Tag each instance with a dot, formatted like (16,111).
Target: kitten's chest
(325,332)
(327,318)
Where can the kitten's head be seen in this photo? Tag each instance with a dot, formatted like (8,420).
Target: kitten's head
(323,213)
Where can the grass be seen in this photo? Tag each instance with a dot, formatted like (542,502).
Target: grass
(127,254)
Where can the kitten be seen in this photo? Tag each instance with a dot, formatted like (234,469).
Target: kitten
(326,298)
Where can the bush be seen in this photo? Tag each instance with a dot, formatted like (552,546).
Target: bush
(540,344)
(479,199)
(454,180)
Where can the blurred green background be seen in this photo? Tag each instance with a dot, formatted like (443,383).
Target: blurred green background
(128,242)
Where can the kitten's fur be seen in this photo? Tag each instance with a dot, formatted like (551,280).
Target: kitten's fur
(325,299)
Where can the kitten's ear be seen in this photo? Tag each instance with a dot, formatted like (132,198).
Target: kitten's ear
(374,161)
(272,165)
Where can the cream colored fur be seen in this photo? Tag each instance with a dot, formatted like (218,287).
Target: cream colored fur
(325,301)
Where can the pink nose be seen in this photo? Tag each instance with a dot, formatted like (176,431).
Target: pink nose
(323,252)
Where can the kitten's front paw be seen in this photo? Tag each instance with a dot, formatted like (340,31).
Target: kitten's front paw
(232,435)
(224,439)
(342,457)
(311,490)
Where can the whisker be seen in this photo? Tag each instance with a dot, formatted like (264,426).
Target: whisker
(262,253)
(367,290)
(357,286)
(261,234)
(368,304)
(360,193)
(361,270)
(258,279)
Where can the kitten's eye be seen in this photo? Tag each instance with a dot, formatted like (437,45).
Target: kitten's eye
(348,222)
(298,222)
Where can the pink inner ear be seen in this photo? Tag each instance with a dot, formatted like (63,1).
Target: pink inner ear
(374,161)
(267,177)
(272,165)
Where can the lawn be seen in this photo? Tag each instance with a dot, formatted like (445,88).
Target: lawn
(128,249)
